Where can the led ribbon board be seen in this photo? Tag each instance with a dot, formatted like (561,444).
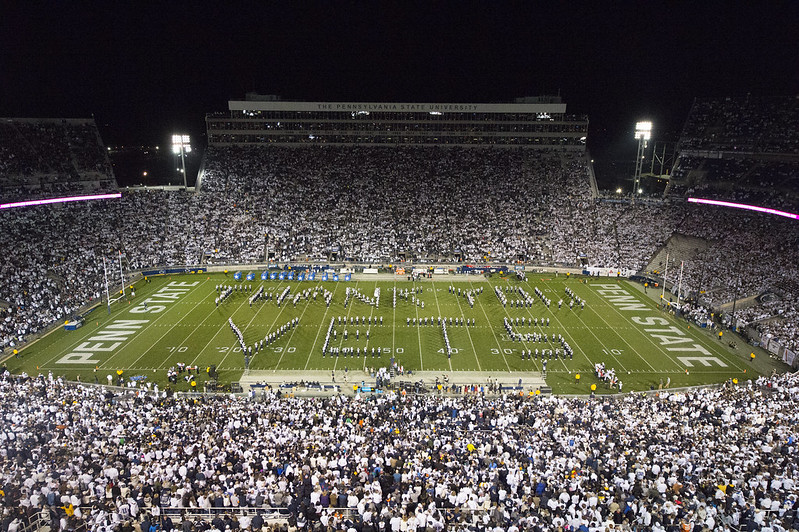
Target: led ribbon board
(744,206)
(59,200)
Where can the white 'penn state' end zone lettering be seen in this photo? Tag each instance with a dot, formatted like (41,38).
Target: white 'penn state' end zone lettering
(111,337)
(668,337)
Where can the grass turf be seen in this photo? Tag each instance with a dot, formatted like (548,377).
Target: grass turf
(620,326)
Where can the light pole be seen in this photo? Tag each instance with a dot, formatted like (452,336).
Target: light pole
(643,132)
(182,146)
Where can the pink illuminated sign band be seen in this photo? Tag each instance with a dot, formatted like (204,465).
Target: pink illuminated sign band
(744,206)
(58,200)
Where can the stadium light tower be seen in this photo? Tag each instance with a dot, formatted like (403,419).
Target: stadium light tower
(182,146)
(643,132)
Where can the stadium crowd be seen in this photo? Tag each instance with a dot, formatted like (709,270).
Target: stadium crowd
(749,124)
(375,204)
(40,157)
(738,179)
(746,255)
(708,459)
(740,149)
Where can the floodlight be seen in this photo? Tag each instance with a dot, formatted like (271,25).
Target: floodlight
(643,130)
(181,145)
(181,141)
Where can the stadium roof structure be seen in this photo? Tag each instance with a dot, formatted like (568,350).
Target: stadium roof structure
(527,122)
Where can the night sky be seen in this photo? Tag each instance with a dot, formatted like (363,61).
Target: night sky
(144,69)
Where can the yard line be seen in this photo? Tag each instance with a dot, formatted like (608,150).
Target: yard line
(540,327)
(222,328)
(371,313)
(164,363)
(163,314)
(152,345)
(293,331)
(624,340)
(283,307)
(524,342)
(349,309)
(590,330)
(393,323)
(468,333)
(418,329)
(499,346)
(369,339)
(200,352)
(439,313)
(319,329)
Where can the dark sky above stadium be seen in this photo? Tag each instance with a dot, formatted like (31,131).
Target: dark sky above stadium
(144,69)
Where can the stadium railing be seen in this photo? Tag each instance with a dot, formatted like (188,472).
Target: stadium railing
(37,521)
(269,514)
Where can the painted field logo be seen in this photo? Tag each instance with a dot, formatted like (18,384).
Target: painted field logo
(620,298)
(104,341)
(111,337)
(671,338)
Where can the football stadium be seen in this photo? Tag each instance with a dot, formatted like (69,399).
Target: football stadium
(404,316)
(399,267)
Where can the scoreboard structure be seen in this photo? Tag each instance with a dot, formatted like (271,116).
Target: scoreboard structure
(539,122)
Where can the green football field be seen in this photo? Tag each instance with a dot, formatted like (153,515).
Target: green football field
(174,319)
